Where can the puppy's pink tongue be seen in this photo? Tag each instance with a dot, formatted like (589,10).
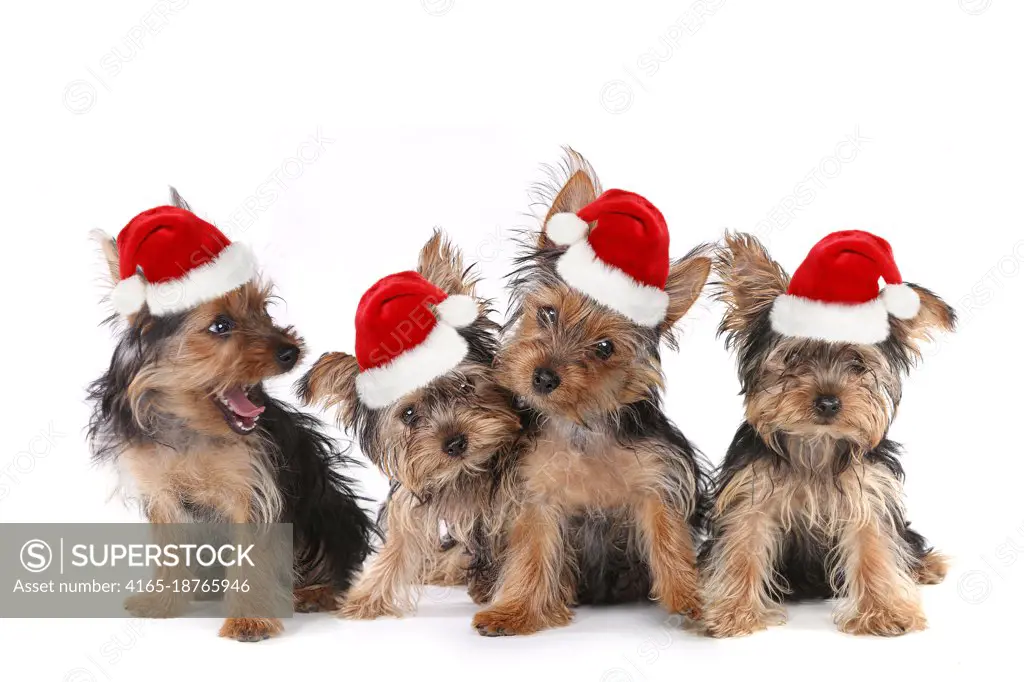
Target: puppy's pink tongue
(240,403)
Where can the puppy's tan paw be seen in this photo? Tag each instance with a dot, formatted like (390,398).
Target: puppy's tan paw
(368,607)
(685,602)
(315,599)
(250,629)
(503,621)
(726,620)
(884,620)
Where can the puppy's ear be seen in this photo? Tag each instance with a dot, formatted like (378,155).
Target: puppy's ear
(686,279)
(749,281)
(441,264)
(108,249)
(178,201)
(934,316)
(577,192)
(579,189)
(331,381)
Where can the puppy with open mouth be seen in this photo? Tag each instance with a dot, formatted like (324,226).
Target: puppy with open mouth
(183,413)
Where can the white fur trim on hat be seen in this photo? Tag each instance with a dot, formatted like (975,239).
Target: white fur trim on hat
(901,301)
(438,354)
(580,267)
(865,323)
(129,295)
(566,228)
(234,266)
(458,310)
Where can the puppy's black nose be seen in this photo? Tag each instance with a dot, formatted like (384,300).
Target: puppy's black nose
(545,381)
(287,355)
(827,405)
(456,446)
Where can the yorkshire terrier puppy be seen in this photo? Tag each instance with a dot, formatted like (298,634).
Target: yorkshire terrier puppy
(183,414)
(421,397)
(809,499)
(607,493)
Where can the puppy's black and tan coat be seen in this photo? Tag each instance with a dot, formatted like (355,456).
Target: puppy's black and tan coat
(607,492)
(445,445)
(183,414)
(809,500)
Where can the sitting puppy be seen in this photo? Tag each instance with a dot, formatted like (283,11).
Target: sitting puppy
(809,499)
(421,396)
(183,414)
(607,497)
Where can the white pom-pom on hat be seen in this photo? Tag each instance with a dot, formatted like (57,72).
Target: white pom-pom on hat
(901,301)
(566,228)
(458,311)
(129,295)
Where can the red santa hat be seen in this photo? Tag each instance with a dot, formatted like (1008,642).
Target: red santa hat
(844,291)
(406,336)
(172,260)
(617,255)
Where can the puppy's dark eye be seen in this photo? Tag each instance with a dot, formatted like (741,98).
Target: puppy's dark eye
(604,349)
(466,386)
(408,415)
(221,326)
(858,367)
(547,316)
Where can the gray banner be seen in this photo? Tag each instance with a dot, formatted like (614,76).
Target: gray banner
(200,570)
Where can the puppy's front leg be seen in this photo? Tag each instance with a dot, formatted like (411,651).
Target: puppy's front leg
(388,587)
(739,569)
(531,592)
(880,595)
(163,516)
(241,624)
(670,553)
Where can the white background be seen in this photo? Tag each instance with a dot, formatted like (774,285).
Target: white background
(441,112)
